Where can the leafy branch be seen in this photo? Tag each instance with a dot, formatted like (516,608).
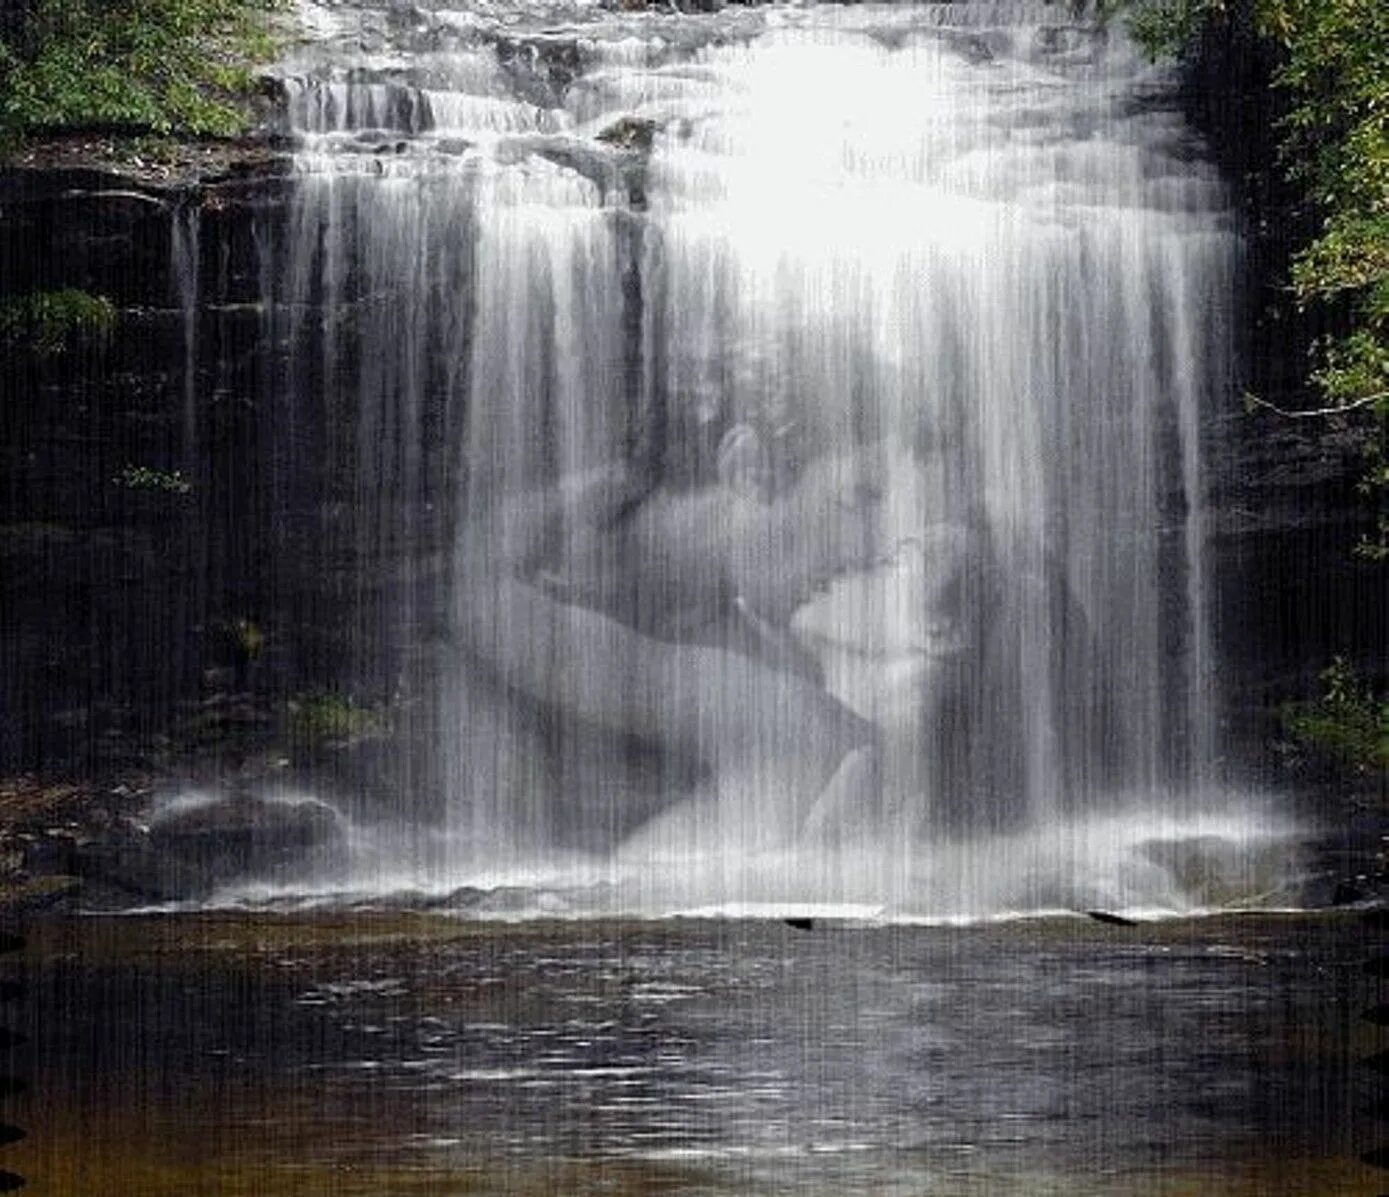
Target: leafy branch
(161,66)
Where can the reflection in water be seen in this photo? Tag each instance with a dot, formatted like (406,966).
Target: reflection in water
(421,1055)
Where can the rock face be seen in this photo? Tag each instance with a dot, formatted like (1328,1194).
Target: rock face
(169,531)
(1290,593)
(630,133)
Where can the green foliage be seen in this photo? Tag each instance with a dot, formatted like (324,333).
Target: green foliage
(246,638)
(147,478)
(1333,74)
(1348,723)
(318,718)
(1166,27)
(1335,69)
(49,322)
(157,65)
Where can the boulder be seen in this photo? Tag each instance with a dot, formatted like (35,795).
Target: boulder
(1211,870)
(190,848)
(242,835)
(126,867)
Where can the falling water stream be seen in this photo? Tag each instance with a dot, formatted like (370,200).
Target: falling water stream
(759,464)
(797,414)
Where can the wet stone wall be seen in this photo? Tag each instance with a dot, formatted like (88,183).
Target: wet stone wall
(178,555)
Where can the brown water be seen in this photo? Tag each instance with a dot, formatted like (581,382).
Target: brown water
(400,1054)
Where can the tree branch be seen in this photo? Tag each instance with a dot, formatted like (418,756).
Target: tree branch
(1315,412)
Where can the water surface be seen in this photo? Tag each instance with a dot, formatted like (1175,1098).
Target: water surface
(395,1053)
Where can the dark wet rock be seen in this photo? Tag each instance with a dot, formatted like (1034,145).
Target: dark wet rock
(1113,920)
(1348,864)
(36,894)
(1285,515)
(47,852)
(83,160)
(67,843)
(630,133)
(242,835)
(632,137)
(613,169)
(1347,893)
(1074,42)
(114,594)
(1290,592)
(465,897)
(540,68)
(973,48)
(126,867)
(43,831)
(224,727)
(595,165)
(32,809)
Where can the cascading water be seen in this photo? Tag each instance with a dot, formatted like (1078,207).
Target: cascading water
(794,416)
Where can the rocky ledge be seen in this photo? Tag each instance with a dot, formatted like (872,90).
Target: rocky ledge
(154,162)
(127,843)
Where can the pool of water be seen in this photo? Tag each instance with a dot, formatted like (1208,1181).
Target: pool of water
(386,1052)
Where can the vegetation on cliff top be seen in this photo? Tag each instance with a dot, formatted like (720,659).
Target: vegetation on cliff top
(163,66)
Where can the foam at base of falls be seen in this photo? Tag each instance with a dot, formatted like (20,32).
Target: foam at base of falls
(1138,861)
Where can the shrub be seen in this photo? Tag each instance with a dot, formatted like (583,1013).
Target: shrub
(48,322)
(318,718)
(1348,723)
(140,65)
(147,478)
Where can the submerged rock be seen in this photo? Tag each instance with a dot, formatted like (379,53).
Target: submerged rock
(1113,920)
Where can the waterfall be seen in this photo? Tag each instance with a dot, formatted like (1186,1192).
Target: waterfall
(795,416)
(185,242)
